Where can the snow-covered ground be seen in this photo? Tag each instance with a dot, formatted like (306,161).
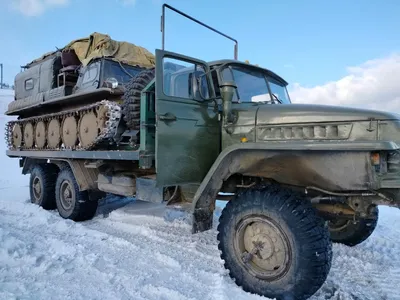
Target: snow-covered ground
(129,251)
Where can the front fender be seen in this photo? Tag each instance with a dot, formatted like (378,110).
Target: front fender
(334,166)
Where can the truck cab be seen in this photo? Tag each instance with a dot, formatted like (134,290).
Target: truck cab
(104,72)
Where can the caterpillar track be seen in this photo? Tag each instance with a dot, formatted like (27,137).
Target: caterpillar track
(82,128)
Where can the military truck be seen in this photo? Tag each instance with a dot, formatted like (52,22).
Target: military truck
(101,116)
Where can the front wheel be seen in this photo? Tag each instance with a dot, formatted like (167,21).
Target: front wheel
(274,244)
(72,203)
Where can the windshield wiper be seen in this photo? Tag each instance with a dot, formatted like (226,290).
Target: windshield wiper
(277,99)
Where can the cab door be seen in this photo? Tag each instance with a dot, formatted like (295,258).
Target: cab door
(187,126)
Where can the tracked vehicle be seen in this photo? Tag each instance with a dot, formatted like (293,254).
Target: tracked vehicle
(72,98)
(185,132)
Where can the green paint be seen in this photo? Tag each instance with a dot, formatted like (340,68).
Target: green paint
(147,126)
(187,132)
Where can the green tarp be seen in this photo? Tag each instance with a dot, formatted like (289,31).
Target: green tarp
(101,45)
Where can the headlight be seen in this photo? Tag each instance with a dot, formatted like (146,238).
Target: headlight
(111,82)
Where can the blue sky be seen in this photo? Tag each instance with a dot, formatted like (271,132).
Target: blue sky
(309,42)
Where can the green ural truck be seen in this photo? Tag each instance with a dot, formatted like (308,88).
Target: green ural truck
(100,116)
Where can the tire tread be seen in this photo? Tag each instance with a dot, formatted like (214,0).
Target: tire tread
(310,230)
(131,97)
(83,209)
(48,174)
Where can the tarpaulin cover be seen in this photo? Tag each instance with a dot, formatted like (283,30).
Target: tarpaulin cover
(101,45)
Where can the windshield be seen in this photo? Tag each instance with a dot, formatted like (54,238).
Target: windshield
(119,71)
(252,85)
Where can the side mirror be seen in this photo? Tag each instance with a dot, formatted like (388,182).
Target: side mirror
(228,89)
(196,86)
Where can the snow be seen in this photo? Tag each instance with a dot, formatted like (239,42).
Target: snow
(132,250)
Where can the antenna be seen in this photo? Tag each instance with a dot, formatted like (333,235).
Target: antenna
(1,76)
(235,49)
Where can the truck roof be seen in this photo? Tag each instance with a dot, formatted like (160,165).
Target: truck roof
(216,63)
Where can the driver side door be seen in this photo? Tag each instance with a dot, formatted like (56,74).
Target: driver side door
(187,127)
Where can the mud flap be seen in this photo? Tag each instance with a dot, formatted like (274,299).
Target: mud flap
(202,220)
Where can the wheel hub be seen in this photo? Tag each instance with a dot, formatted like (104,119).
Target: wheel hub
(66,195)
(263,248)
(37,189)
(338,225)
(263,242)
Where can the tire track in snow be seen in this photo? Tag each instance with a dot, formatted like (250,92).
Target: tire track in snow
(180,268)
(99,260)
(129,256)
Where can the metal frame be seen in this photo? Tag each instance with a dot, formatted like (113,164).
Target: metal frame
(160,55)
(75,154)
(105,60)
(236,47)
(147,126)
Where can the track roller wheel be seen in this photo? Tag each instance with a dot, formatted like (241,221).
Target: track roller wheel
(17,136)
(69,132)
(40,134)
(88,129)
(53,134)
(29,136)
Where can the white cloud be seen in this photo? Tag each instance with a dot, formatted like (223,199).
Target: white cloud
(374,84)
(35,7)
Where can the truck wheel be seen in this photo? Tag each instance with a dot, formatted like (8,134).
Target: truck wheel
(131,98)
(274,244)
(72,203)
(352,233)
(42,186)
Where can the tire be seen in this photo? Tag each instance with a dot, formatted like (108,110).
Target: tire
(131,97)
(79,208)
(351,233)
(42,185)
(293,226)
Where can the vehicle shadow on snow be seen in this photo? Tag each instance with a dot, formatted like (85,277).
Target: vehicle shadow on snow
(130,205)
(112,202)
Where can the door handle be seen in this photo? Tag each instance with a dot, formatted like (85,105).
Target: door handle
(167,117)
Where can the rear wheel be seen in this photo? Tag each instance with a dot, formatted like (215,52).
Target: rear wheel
(274,244)
(42,185)
(350,232)
(72,203)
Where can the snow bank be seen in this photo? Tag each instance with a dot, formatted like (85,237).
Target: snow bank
(10,173)
(129,251)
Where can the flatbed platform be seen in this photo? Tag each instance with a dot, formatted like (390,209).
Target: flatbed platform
(76,154)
